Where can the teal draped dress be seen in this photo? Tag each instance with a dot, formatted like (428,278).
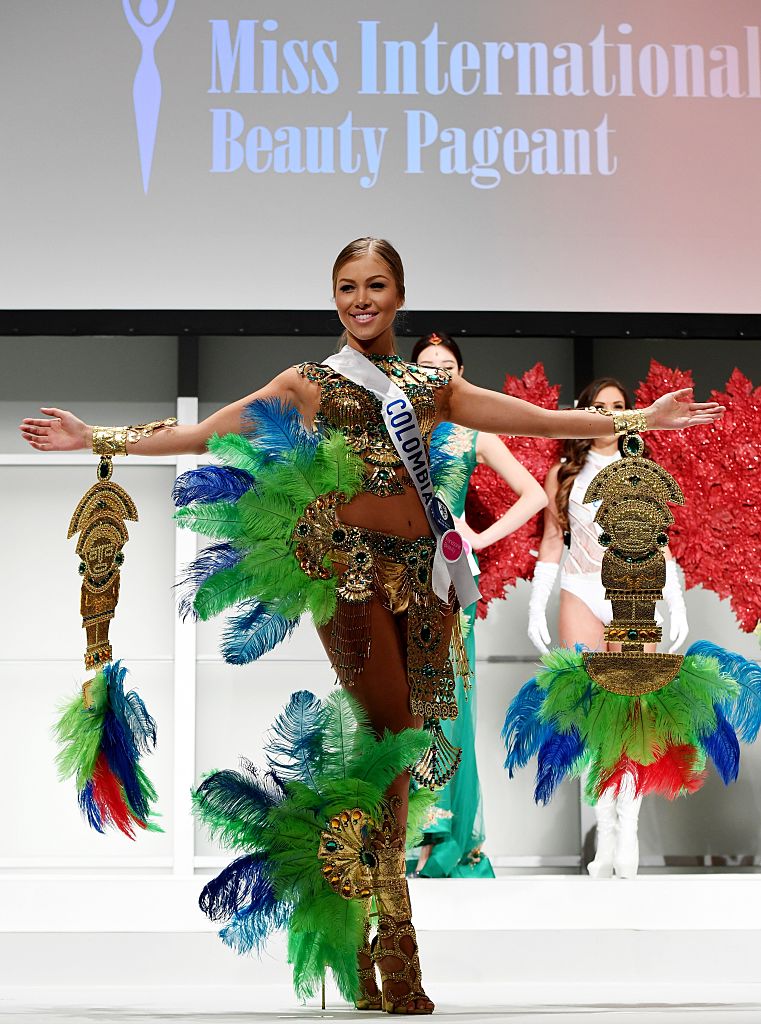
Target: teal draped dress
(455,828)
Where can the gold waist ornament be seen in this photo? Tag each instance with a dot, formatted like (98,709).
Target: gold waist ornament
(396,571)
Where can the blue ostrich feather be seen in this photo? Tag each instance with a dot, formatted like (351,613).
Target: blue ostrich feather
(235,804)
(524,732)
(127,731)
(130,710)
(276,429)
(744,712)
(233,887)
(89,808)
(294,740)
(249,929)
(252,632)
(723,747)
(556,757)
(213,559)
(211,483)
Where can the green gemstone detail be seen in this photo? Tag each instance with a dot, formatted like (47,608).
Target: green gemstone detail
(605,539)
(339,536)
(361,557)
(662,540)
(368,858)
(632,634)
(425,634)
(634,445)
(119,558)
(82,569)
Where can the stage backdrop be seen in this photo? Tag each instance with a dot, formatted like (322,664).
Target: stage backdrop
(534,155)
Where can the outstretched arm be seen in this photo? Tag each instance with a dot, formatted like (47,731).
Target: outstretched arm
(64,432)
(480,409)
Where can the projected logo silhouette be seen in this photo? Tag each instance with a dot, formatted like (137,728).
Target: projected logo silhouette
(146,92)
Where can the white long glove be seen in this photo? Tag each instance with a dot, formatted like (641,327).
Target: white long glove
(674,598)
(545,574)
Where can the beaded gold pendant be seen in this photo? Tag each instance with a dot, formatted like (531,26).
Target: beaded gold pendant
(99,519)
(634,494)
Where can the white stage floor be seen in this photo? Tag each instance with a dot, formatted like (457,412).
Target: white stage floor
(664,949)
(453,1012)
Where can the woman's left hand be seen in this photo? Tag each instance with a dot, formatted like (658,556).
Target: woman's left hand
(472,538)
(676,411)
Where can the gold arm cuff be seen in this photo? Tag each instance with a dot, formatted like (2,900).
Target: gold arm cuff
(631,421)
(109,441)
(112,441)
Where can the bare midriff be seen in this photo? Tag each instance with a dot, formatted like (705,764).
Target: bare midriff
(399,514)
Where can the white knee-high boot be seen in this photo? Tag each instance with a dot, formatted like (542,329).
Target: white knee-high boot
(627,846)
(607,836)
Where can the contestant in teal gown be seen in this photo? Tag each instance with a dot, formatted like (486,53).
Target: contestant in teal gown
(455,832)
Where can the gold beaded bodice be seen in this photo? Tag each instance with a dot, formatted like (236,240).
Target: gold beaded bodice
(353,410)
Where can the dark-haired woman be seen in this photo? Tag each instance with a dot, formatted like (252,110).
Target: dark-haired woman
(384,524)
(584,612)
(455,832)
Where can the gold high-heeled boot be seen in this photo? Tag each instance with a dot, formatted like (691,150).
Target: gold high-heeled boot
(396,942)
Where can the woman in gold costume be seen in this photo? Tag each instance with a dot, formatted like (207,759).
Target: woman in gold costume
(397,683)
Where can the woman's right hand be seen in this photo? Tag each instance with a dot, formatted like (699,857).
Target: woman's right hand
(545,574)
(64,432)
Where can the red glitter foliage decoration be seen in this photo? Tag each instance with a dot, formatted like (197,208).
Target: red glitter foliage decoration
(489,497)
(716,536)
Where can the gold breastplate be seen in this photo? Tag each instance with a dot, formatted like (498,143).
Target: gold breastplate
(353,410)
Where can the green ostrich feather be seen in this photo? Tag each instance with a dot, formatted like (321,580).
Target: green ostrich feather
(640,727)
(79,732)
(219,519)
(418,813)
(262,521)
(326,930)
(329,761)
(236,450)
(337,468)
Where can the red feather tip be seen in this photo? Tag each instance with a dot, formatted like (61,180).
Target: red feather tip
(109,797)
(673,774)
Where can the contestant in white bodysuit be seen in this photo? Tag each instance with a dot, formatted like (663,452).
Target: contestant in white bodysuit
(584,612)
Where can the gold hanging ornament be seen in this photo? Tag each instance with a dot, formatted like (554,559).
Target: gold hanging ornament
(634,494)
(99,519)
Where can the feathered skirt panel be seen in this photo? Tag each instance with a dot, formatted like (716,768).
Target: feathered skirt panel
(304,826)
(660,740)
